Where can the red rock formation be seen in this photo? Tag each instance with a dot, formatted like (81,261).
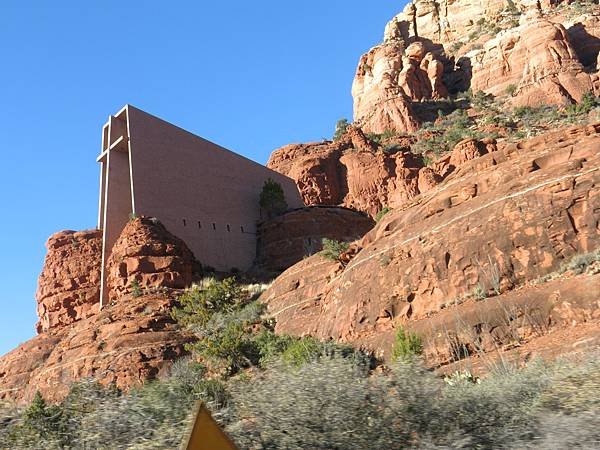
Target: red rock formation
(125,344)
(538,59)
(550,58)
(128,341)
(148,255)
(496,222)
(69,285)
(337,174)
(289,238)
(388,77)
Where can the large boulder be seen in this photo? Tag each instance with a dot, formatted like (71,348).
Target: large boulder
(146,258)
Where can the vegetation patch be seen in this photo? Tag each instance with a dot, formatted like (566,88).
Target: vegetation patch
(332,249)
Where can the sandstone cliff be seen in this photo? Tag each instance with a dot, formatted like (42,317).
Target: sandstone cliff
(496,223)
(536,54)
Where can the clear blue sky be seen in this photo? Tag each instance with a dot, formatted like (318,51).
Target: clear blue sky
(251,76)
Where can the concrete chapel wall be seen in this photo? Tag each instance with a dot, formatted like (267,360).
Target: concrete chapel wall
(203,193)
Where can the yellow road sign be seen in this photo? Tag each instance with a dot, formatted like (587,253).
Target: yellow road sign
(206,433)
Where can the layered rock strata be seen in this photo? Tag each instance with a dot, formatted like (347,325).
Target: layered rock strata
(289,238)
(497,222)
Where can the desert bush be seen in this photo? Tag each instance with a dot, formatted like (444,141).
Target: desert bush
(406,345)
(332,249)
(341,127)
(511,89)
(579,263)
(220,314)
(587,103)
(392,148)
(379,138)
(441,137)
(329,403)
(272,199)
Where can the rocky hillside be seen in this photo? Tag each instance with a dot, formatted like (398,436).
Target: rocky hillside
(532,54)
(502,219)
(469,183)
(134,337)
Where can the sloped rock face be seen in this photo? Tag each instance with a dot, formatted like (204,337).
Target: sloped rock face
(498,221)
(537,60)
(69,285)
(148,255)
(124,345)
(289,238)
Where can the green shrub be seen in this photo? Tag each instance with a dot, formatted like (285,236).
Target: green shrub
(272,199)
(511,89)
(341,127)
(445,134)
(406,345)
(220,315)
(136,290)
(332,249)
(328,403)
(392,148)
(587,103)
(382,213)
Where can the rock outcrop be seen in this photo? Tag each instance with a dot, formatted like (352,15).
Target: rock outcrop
(147,257)
(124,344)
(442,21)
(497,222)
(535,62)
(527,50)
(388,78)
(131,339)
(336,173)
(69,285)
(287,239)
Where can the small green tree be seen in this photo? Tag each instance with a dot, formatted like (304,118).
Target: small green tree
(272,199)
(136,289)
(406,345)
(332,249)
(341,127)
